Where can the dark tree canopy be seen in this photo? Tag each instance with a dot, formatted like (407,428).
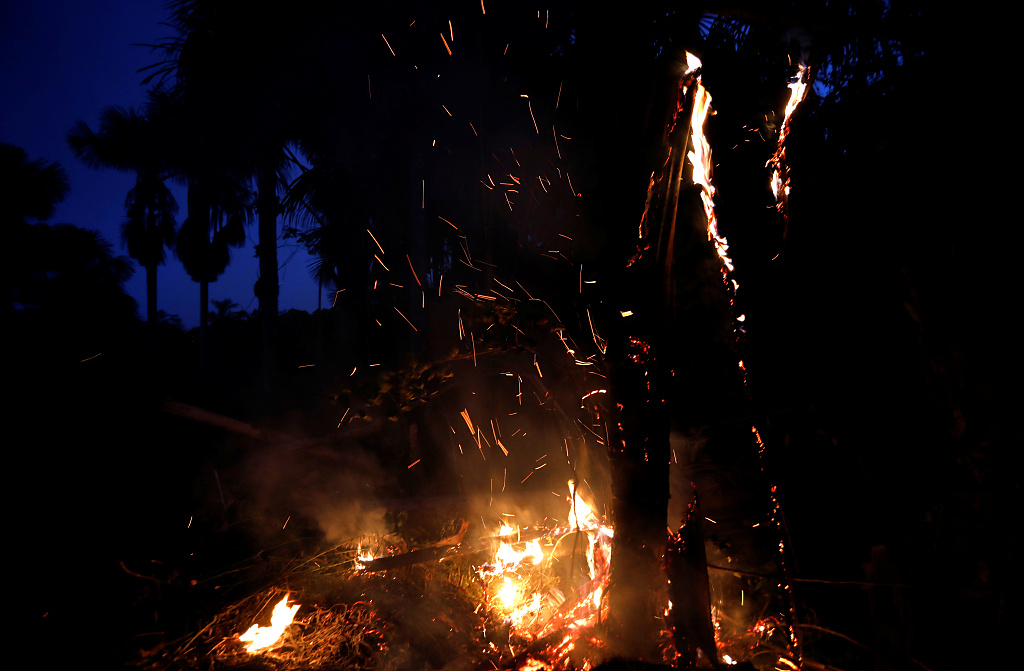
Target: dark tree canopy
(32,188)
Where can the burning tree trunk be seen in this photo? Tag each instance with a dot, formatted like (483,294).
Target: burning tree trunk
(687,568)
(639,457)
(632,108)
(643,331)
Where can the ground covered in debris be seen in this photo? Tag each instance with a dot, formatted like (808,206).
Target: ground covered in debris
(426,615)
(411,618)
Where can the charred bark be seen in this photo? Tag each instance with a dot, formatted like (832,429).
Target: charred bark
(687,567)
(640,491)
(641,360)
(631,101)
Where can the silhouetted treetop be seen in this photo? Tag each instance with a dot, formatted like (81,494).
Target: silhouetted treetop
(32,188)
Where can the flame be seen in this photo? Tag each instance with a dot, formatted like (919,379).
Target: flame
(692,63)
(508,592)
(260,638)
(363,557)
(515,575)
(797,91)
(508,559)
(776,183)
(581,515)
(700,159)
(780,173)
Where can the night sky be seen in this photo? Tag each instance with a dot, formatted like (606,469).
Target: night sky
(61,61)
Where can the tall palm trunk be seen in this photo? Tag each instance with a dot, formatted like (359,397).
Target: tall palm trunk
(204,320)
(151,316)
(199,216)
(217,210)
(151,293)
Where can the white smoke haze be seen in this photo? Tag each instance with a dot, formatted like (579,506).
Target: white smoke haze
(336,487)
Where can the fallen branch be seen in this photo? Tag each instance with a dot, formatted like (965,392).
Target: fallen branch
(266,435)
(442,548)
(859,583)
(219,421)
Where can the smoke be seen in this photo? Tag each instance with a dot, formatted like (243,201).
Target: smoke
(335,490)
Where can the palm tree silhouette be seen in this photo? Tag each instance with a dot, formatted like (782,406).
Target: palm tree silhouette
(127,140)
(220,201)
(241,67)
(215,223)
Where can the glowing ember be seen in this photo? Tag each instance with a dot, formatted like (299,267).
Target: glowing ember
(786,663)
(260,638)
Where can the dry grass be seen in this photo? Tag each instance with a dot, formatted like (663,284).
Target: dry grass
(419,616)
(423,616)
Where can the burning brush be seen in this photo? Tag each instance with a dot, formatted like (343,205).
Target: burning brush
(525,597)
(526,593)
(260,638)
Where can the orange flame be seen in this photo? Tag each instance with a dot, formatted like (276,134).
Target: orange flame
(700,159)
(797,91)
(515,565)
(581,515)
(780,173)
(260,638)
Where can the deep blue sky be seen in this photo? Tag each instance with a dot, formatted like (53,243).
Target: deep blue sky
(65,60)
